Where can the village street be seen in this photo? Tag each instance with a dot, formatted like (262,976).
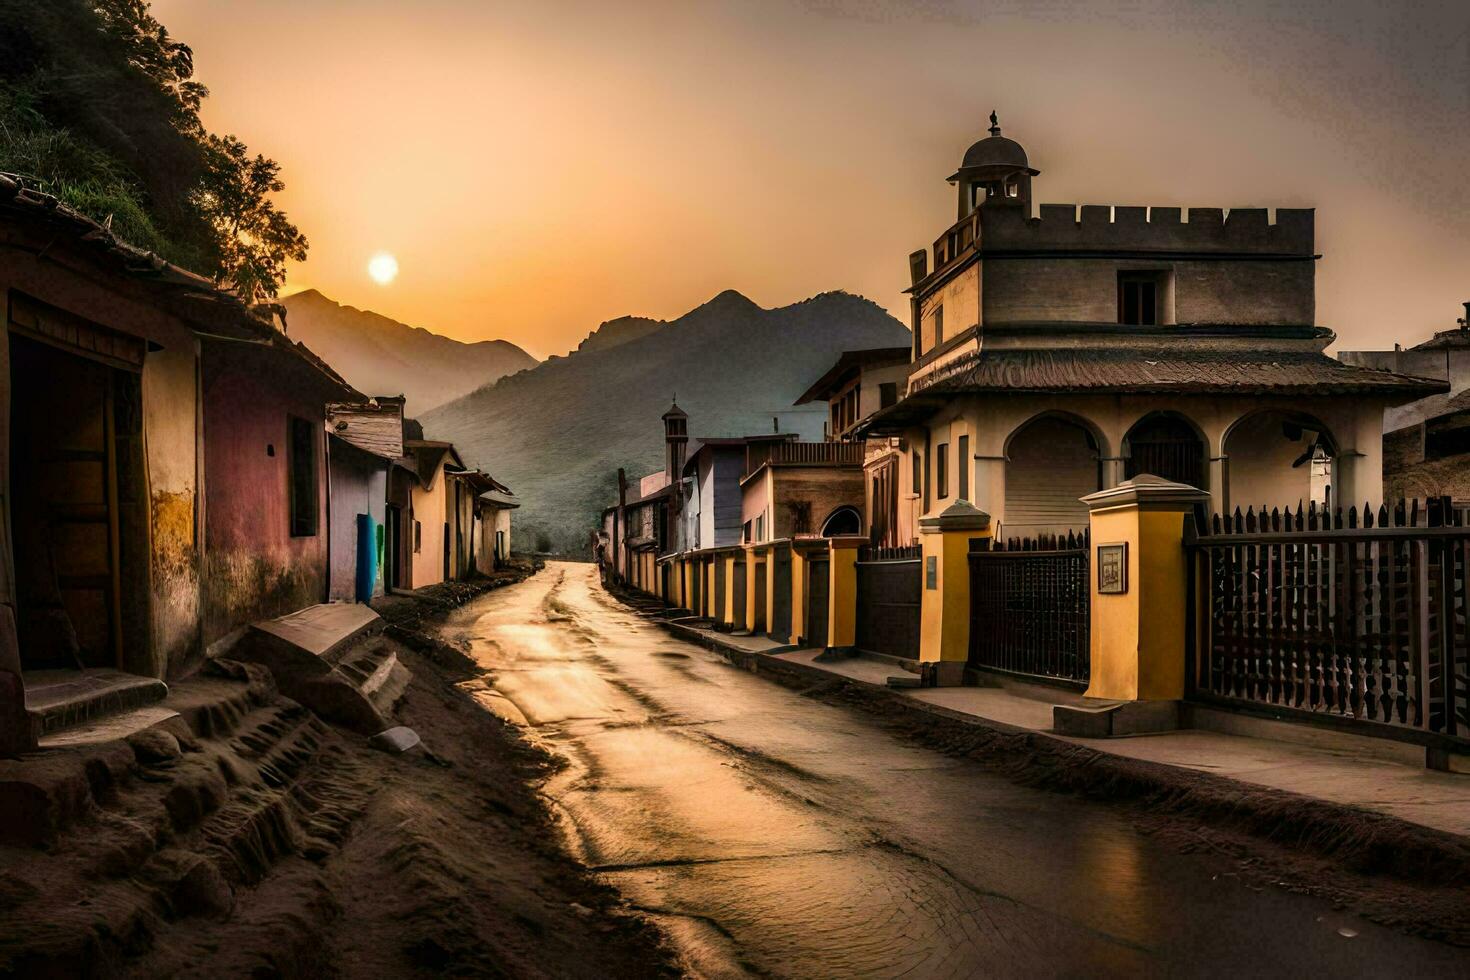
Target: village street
(772,833)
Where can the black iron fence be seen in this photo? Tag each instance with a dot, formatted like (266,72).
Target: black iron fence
(1031,607)
(1359,616)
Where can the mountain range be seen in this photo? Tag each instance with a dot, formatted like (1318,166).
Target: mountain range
(557,433)
(379,356)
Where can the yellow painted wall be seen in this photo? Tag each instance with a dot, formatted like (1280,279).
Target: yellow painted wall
(429,511)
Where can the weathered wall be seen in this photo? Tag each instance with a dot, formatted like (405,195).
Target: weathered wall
(170,432)
(359,485)
(819,490)
(429,511)
(166,643)
(254,568)
(960,297)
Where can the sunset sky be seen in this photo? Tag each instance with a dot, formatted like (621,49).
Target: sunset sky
(538,167)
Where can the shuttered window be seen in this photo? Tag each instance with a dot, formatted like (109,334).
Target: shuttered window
(963,462)
(301,463)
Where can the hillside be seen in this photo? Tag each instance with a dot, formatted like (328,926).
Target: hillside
(379,356)
(558,433)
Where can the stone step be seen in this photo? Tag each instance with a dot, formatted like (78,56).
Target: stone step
(906,681)
(167,824)
(58,699)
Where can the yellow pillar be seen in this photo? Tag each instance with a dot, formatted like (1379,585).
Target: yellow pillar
(842,591)
(944,606)
(798,594)
(1139,589)
(728,611)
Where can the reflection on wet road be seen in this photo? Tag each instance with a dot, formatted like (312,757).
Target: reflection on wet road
(770,833)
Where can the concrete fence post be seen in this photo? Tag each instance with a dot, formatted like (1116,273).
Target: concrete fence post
(944,589)
(1140,588)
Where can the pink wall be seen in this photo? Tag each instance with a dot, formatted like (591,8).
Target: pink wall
(255,568)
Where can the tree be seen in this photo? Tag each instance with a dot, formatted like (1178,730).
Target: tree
(255,237)
(99,106)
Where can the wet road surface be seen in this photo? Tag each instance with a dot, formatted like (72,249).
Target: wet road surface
(773,834)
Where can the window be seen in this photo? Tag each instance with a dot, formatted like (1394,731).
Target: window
(418,537)
(964,467)
(1013,190)
(918,486)
(1138,295)
(938,325)
(745,530)
(941,466)
(301,465)
(760,528)
(887,394)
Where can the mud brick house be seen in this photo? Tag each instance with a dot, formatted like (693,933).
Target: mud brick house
(267,526)
(363,441)
(429,511)
(131,384)
(493,507)
(1058,355)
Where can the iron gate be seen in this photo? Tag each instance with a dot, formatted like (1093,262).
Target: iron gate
(780,628)
(1031,608)
(737,595)
(718,606)
(889,584)
(817,602)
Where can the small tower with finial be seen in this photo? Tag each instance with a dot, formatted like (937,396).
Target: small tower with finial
(676,441)
(995,172)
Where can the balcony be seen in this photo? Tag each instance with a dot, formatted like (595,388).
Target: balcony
(803,454)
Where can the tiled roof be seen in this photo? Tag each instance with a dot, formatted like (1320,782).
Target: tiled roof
(377,429)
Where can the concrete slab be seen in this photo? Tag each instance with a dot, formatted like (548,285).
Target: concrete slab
(108,729)
(58,699)
(323,629)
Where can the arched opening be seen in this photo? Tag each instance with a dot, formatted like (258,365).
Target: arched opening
(1279,458)
(1167,445)
(1051,462)
(843,520)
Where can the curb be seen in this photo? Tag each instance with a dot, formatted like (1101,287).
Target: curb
(1359,840)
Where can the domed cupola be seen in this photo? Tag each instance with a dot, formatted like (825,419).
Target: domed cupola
(994,172)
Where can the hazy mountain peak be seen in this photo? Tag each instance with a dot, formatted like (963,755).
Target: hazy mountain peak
(733,364)
(376,353)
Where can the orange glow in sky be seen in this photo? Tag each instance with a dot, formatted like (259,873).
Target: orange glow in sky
(538,167)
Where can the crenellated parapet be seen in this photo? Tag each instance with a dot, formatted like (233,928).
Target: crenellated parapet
(1106,228)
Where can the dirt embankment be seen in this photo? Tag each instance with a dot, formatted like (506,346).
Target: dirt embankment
(264,842)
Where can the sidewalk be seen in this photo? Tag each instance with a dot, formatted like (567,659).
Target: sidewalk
(1387,778)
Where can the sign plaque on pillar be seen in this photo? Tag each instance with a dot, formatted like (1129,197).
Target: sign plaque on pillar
(1112,569)
(931,572)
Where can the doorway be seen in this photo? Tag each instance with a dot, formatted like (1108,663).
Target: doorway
(76,486)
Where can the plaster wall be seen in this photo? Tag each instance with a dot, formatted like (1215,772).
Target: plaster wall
(171,433)
(1354,421)
(960,296)
(254,567)
(359,485)
(429,510)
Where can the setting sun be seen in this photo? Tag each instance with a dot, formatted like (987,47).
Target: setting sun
(383,268)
